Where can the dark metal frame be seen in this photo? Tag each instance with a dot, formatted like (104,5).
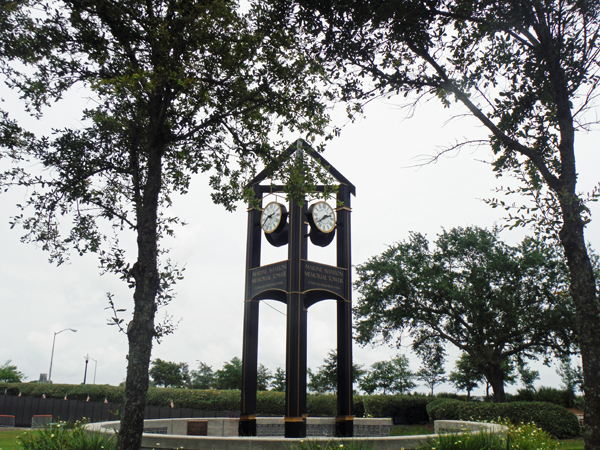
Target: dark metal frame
(298,299)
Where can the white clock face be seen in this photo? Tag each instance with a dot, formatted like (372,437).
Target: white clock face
(270,218)
(323,217)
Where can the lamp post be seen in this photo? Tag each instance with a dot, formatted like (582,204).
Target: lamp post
(95,367)
(87,359)
(52,356)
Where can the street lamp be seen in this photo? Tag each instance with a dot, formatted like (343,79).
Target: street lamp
(87,358)
(52,356)
(95,367)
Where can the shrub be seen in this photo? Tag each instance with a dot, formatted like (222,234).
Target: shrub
(271,403)
(473,441)
(321,405)
(96,392)
(403,408)
(207,400)
(554,419)
(408,408)
(359,407)
(451,395)
(523,437)
(562,397)
(433,407)
(530,437)
(63,436)
(523,395)
(311,444)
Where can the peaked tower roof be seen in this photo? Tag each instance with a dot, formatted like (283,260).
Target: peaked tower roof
(301,144)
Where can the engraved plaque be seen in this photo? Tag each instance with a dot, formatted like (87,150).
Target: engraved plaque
(323,277)
(271,276)
(197,428)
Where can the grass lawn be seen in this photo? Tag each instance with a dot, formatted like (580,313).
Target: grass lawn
(572,444)
(8,439)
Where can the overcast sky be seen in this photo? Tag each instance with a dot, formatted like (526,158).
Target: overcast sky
(379,154)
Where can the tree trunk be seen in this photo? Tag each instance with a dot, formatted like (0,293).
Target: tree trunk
(141,329)
(583,292)
(495,378)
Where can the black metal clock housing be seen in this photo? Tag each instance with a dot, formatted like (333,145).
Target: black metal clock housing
(321,218)
(273,221)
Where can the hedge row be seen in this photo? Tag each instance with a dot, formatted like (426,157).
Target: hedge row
(556,420)
(96,392)
(561,397)
(405,409)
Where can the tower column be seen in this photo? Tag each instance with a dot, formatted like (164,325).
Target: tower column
(344,422)
(247,425)
(295,404)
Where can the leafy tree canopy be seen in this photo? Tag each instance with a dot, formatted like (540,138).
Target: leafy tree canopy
(203,377)
(278,383)
(571,377)
(169,374)
(230,376)
(10,374)
(465,376)
(264,377)
(325,379)
(388,377)
(528,376)
(432,371)
(487,298)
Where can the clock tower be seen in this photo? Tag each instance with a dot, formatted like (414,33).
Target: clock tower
(298,283)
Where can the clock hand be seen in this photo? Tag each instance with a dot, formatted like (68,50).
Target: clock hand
(324,217)
(267,218)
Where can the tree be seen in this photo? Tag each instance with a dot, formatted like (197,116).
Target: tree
(432,371)
(10,374)
(388,377)
(230,376)
(263,378)
(325,379)
(203,378)
(525,70)
(486,298)
(508,375)
(466,376)
(570,377)
(278,383)
(169,374)
(177,87)
(528,376)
